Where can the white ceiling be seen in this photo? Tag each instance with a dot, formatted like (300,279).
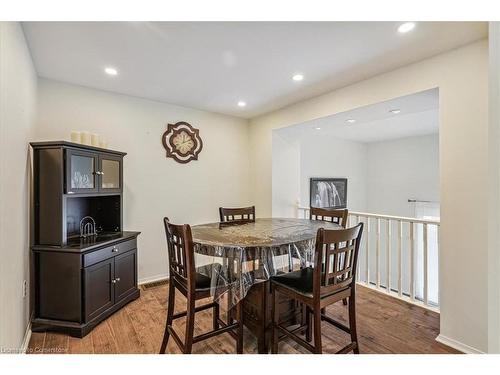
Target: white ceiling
(213,65)
(419,116)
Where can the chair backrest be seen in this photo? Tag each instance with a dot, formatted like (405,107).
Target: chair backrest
(180,253)
(335,216)
(237,214)
(336,259)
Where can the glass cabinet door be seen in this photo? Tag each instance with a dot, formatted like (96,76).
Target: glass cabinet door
(81,176)
(110,170)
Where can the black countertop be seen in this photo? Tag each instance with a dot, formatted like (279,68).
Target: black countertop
(81,245)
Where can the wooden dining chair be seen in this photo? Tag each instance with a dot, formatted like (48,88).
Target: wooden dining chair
(332,279)
(240,215)
(338,216)
(194,286)
(234,216)
(243,214)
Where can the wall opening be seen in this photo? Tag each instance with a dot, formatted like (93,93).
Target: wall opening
(389,154)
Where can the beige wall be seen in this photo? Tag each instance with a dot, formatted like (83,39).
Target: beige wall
(494,194)
(462,78)
(154,186)
(17,114)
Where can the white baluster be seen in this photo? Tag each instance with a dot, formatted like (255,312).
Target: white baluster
(367,251)
(377,252)
(388,254)
(438,229)
(426,276)
(412,262)
(400,258)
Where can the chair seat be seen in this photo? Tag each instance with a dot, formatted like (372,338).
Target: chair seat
(204,282)
(301,281)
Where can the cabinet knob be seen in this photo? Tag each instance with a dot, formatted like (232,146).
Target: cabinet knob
(115,250)
(114,281)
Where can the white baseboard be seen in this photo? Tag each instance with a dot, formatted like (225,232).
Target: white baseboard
(26,340)
(152,279)
(457,345)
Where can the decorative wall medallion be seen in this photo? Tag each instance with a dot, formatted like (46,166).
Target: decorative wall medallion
(182,142)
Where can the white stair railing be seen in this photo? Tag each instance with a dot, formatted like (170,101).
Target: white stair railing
(398,256)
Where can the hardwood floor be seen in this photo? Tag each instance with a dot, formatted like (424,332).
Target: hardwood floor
(385,325)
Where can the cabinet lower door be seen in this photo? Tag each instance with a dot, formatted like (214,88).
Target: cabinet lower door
(125,274)
(99,288)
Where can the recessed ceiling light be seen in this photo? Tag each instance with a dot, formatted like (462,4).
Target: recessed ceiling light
(395,111)
(405,27)
(242,103)
(317,128)
(298,77)
(350,120)
(111,71)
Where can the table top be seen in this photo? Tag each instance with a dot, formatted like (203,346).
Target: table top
(261,233)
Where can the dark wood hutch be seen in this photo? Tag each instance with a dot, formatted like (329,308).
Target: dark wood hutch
(81,274)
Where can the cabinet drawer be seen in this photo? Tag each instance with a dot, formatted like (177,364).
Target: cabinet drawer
(108,252)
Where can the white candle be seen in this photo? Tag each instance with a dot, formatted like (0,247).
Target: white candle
(85,138)
(75,137)
(102,142)
(95,139)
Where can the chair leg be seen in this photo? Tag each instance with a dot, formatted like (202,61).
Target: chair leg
(344,301)
(170,313)
(274,316)
(317,331)
(228,307)
(352,323)
(230,291)
(239,337)
(226,264)
(216,315)
(262,344)
(308,324)
(188,343)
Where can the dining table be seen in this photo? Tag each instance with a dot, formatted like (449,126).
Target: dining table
(240,254)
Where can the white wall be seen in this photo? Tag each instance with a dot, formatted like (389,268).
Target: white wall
(154,186)
(402,169)
(298,157)
(17,115)
(381,175)
(462,78)
(286,176)
(332,157)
